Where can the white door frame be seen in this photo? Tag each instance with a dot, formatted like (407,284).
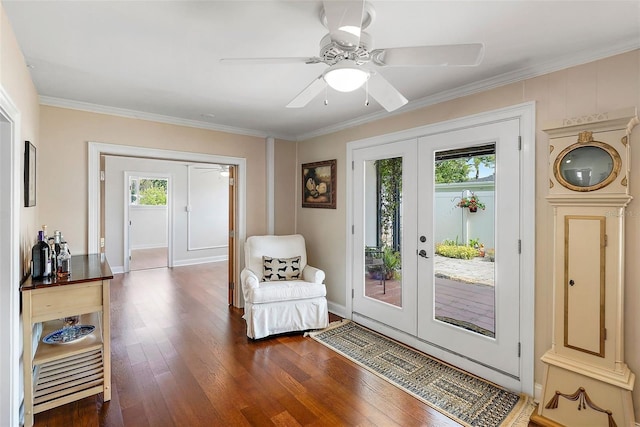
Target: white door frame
(525,113)
(10,275)
(96,149)
(127,206)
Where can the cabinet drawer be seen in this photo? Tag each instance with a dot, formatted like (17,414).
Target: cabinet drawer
(53,303)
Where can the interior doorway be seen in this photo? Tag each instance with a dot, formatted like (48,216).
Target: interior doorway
(96,204)
(147,217)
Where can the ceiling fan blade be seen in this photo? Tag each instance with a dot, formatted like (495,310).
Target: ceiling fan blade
(292,60)
(386,95)
(344,21)
(310,92)
(423,56)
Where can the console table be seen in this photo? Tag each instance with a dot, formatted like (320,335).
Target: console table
(57,374)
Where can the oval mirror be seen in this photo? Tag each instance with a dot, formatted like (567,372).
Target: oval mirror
(587,167)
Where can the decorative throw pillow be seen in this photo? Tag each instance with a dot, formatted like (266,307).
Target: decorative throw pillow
(280,268)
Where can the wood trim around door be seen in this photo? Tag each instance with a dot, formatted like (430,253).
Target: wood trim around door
(232,231)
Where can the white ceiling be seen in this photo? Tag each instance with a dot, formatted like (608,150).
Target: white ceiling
(160,59)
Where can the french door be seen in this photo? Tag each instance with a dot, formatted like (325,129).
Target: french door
(455,283)
(385,228)
(471,307)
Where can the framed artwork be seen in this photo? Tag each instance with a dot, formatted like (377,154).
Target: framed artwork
(319,184)
(29,174)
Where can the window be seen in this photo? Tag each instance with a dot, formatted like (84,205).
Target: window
(147,191)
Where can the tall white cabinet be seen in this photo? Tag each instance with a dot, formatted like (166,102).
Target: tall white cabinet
(586,381)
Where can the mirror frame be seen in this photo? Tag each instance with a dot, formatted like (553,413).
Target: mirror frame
(617,163)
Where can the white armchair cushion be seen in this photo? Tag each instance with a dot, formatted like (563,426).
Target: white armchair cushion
(285,290)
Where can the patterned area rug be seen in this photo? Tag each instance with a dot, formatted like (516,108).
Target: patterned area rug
(462,397)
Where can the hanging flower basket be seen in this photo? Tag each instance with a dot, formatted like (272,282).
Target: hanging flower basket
(472,202)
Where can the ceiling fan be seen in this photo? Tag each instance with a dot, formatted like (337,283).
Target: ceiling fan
(347,51)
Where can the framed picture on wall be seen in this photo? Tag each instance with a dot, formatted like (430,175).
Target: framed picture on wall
(29,174)
(319,184)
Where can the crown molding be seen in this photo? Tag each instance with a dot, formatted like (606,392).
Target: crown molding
(141,115)
(579,58)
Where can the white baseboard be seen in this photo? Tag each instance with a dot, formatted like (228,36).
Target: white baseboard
(538,393)
(194,261)
(119,269)
(337,309)
(149,246)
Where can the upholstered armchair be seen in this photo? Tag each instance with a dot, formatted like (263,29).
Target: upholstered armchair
(281,292)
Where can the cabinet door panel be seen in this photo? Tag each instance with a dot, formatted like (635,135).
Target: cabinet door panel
(584,283)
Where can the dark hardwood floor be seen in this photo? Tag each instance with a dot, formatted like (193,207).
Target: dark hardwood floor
(181,357)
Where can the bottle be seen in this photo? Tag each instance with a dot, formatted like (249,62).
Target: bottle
(40,258)
(64,262)
(53,261)
(57,241)
(62,240)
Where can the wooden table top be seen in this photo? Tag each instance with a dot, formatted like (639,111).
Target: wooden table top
(84,268)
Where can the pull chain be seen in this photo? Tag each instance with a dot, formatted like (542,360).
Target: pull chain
(366,91)
(326,95)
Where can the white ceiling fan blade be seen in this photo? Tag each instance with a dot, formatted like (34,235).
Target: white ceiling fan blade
(310,92)
(344,21)
(386,95)
(420,56)
(285,60)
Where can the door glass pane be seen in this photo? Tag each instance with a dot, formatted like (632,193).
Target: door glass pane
(383,230)
(464,228)
(148,191)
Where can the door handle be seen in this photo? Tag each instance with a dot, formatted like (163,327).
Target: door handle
(571,282)
(423,253)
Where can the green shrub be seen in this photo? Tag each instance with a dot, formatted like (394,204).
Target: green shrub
(154,196)
(474,243)
(392,262)
(449,242)
(454,251)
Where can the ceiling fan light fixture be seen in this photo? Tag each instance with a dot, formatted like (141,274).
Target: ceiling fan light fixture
(346,76)
(351,29)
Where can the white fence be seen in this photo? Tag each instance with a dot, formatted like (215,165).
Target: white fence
(455,223)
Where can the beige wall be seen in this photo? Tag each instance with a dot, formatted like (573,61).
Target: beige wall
(62,190)
(16,82)
(285,187)
(606,85)
(17,85)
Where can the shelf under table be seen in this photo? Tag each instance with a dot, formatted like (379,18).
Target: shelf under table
(51,352)
(65,380)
